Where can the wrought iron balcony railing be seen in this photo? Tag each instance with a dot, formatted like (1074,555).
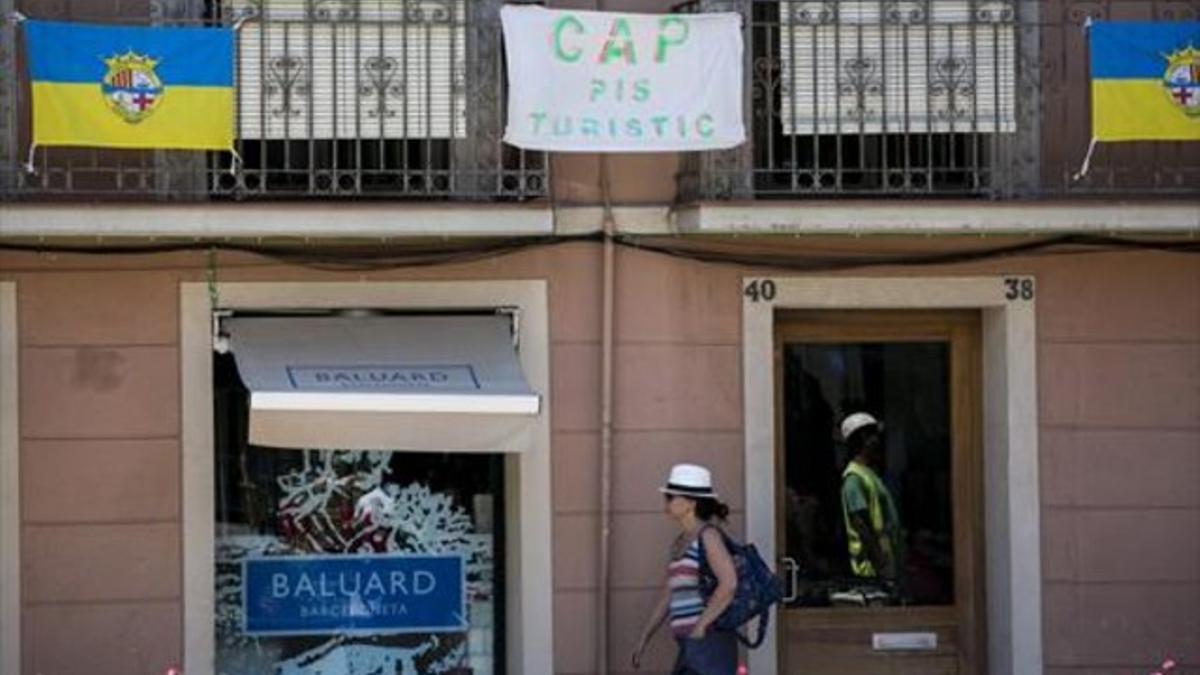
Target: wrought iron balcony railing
(406,99)
(973,98)
(335,98)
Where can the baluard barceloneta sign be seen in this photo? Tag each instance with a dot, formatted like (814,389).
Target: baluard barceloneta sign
(605,82)
(454,377)
(354,594)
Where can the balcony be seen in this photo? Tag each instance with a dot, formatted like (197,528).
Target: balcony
(846,99)
(392,99)
(978,99)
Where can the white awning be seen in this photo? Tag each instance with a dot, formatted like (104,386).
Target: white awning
(416,383)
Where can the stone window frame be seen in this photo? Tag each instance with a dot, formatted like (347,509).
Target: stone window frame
(1012,511)
(529,604)
(10,485)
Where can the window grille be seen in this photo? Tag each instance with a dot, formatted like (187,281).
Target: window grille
(327,70)
(880,67)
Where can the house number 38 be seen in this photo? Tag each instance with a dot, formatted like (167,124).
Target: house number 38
(1016,288)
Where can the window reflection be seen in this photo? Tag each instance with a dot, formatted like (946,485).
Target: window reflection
(868,522)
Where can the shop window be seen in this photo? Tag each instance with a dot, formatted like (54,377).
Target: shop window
(410,397)
(345,561)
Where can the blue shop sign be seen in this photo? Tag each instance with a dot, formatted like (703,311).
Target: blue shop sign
(354,594)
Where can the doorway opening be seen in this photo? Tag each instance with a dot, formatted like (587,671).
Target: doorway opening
(880,528)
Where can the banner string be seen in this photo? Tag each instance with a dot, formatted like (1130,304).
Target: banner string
(1087,158)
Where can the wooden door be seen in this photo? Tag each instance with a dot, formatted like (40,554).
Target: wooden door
(918,372)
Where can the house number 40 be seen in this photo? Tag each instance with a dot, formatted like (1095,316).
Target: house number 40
(763,290)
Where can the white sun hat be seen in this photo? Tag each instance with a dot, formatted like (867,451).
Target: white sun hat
(856,421)
(689,480)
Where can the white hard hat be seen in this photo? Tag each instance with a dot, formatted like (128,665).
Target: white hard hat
(856,421)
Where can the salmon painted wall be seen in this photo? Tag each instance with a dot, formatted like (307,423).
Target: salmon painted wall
(1119,380)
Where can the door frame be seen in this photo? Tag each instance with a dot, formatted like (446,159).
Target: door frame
(1011,503)
(10,485)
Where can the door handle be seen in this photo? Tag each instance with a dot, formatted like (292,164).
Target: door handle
(793,575)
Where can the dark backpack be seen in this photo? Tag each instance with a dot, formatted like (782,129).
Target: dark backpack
(757,589)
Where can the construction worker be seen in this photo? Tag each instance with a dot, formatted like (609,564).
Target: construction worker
(872,522)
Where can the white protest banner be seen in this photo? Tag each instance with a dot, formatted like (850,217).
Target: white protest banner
(605,82)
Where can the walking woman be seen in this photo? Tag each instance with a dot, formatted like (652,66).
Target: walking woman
(692,504)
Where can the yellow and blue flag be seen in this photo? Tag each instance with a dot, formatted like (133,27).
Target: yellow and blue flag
(1145,80)
(131,86)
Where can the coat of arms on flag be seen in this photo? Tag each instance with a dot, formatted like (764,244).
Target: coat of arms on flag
(131,87)
(1182,80)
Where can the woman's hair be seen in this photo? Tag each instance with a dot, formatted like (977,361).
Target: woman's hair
(708,507)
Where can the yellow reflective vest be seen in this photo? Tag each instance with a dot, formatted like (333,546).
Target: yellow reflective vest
(876,493)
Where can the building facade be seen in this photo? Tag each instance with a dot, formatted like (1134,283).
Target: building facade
(902,234)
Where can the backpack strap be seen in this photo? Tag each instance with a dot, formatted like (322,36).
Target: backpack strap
(764,621)
(708,580)
(705,570)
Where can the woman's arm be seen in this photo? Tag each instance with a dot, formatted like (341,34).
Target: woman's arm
(721,564)
(656,619)
(658,615)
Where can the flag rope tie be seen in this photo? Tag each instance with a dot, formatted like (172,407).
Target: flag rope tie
(1087,160)
(29,168)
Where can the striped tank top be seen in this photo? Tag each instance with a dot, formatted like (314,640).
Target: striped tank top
(683,578)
